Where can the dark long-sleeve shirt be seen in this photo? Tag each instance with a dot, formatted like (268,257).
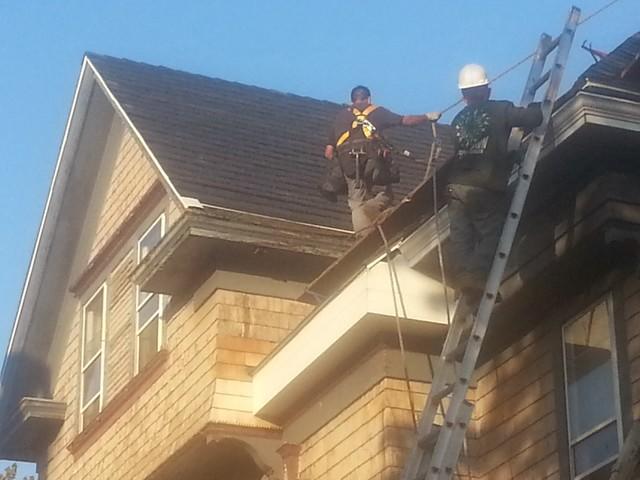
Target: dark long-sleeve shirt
(482,133)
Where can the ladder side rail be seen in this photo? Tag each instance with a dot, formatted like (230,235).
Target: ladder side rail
(526,175)
(438,382)
(504,247)
(535,73)
(529,93)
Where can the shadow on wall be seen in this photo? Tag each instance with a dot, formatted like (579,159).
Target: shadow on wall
(30,377)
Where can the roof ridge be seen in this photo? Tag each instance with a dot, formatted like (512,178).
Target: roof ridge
(123,60)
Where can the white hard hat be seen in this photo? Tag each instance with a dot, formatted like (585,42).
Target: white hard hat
(472,75)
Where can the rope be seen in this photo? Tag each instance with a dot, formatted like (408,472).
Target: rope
(433,156)
(597,12)
(523,60)
(403,355)
(393,276)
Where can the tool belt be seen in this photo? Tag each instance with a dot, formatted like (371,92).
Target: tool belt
(367,160)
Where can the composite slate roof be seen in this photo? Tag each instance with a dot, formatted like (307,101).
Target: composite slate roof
(613,68)
(241,147)
(619,69)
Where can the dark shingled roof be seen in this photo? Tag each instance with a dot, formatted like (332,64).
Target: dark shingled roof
(242,147)
(619,69)
(612,68)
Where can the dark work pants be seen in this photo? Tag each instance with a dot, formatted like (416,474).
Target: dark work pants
(476,217)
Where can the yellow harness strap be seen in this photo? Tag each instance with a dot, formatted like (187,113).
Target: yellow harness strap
(359,121)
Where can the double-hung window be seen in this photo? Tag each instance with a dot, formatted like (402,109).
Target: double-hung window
(591,390)
(149,306)
(93,339)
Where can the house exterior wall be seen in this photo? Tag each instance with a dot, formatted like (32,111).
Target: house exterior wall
(515,423)
(212,341)
(366,440)
(204,379)
(130,176)
(631,295)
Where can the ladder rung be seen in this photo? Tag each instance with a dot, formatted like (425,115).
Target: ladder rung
(427,441)
(457,353)
(465,412)
(554,43)
(541,81)
(438,396)
(465,333)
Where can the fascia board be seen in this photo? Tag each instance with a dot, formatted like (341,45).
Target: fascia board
(325,328)
(369,293)
(184,202)
(423,297)
(424,239)
(42,247)
(596,109)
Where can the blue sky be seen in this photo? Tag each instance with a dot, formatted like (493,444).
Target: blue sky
(407,52)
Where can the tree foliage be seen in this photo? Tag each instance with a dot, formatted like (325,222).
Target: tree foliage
(11,472)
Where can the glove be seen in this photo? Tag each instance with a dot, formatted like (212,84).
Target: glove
(433,116)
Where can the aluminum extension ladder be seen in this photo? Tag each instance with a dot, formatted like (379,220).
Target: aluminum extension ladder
(437,449)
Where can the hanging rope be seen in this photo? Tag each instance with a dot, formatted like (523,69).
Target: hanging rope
(434,153)
(403,355)
(395,283)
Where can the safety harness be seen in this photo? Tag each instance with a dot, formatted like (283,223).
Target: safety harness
(360,121)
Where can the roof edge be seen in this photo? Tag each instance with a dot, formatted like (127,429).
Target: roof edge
(183,201)
(51,209)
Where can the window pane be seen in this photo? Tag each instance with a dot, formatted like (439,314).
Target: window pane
(149,309)
(148,344)
(595,449)
(590,388)
(93,327)
(90,413)
(150,240)
(91,380)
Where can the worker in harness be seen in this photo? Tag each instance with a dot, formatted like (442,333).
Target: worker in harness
(477,183)
(364,156)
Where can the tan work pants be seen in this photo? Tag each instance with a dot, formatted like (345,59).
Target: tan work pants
(365,204)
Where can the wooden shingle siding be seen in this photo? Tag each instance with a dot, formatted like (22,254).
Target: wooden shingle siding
(369,439)
(248,327)
(132,176)
(514,432)
(120,327)
(205,379)
(631,297)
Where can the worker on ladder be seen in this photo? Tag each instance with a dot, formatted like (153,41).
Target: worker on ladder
(478,179)
(364,156)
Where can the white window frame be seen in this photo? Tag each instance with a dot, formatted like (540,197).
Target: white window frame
(102,290)
(160,219)
(140,305)
(608,301)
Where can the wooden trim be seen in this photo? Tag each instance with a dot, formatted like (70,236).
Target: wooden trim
(166,181)
(119,237)
(623,364)
(119,404)
(215,431)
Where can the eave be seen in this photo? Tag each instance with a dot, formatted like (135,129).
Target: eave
(31,428)
(206,239)
(345,326)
